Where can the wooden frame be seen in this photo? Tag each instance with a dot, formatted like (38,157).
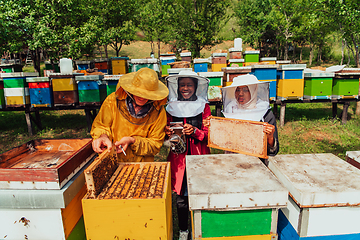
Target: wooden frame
(241,136)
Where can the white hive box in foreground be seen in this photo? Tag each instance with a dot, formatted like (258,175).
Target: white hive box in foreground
(233,196)
(324,196)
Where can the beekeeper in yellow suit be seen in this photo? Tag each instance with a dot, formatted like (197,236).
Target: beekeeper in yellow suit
(133,118)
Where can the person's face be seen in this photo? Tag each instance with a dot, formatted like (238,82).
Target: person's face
(242,94)
(140,101)
(186,87)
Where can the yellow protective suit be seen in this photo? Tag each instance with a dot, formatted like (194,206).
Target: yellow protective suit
(115,121)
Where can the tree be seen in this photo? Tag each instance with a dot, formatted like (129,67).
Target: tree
(154,22)
(49,26)
(252,18)
(196,23)
(116,20)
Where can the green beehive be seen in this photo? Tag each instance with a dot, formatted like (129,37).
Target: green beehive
(346,83)
(251,56)
(318,85)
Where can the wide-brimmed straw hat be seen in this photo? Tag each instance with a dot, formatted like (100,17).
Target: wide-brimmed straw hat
(144,83)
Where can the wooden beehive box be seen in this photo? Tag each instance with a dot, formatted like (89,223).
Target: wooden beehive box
(324,196)
(246,137)
(43,163)
(44,213)
(127,200)
(233,196)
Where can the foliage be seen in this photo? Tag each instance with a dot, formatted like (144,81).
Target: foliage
(115,23)
(197,23)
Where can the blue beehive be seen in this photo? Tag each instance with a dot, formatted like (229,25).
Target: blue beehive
(201,64)
(40,91)
(267,73)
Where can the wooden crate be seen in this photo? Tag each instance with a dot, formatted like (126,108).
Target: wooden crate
(233,196)
(324,196)
(43,163)
(44,214)
(127,200)
(236,135)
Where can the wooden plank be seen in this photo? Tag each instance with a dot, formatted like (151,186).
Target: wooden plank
(246,137)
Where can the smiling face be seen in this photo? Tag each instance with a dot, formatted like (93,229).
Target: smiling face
(140,101)
(242,94)
(186,87)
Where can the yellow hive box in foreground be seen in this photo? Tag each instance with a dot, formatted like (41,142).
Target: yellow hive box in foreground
(134,204)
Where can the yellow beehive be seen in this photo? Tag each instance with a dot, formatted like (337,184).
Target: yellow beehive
(216,67)
(134,204)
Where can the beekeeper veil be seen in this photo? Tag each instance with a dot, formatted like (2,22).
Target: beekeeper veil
(185,105)
(254,106)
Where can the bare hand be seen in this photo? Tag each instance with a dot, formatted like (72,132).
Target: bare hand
(169,131)
(269,131)
(206,122)
(188,129)
(124,142)
(101,144)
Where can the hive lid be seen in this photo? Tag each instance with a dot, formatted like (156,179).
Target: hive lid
(246,69)
(236,60)
(265,66)
(316,73)
(19,74)
(318,180)
(101,60)
(144,61)
(283,61)
(37,79)
(211,74)
(268,59)
(235,49)
(83,61)
(177,70)
(89,78)
(292,67)
(232,181)
(167,58)
(219,54)
(43,163)
(112,77)
(252,52)
(202,60)
(185,54)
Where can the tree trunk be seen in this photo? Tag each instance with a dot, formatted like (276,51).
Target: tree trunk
(301,53)
(342,51)
(311,54)
(286,51)
(159,48)
(106,52)
(319,60)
